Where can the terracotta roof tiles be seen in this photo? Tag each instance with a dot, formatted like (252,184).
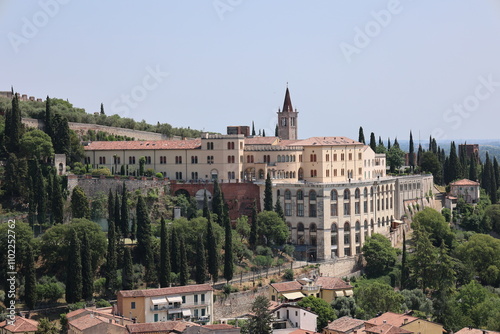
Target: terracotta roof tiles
(166,291)
(154,327)
(392,318)
(287,286)
(468,330)
(332,283)
(327,141)
(345,324)
(261,140)
(189,144)
(464,182)
(387,329)
(20,325)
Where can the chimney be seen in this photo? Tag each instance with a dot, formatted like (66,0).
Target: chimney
(405,321)
(385,321)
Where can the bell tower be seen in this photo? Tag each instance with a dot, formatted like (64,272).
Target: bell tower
(287,119)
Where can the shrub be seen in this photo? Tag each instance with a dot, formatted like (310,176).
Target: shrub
(50,289)
(101,171)
(288,275)
(102,303)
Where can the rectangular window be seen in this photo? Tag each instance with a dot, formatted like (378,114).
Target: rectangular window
(342,157)
(335,157)
(132,305)
(203,298)
(196,313)
(328,157)
(365,207)
(347,209)
(300,209)
(312,210)
(360,171)
(359,156)
(327,173)
(202,312)
(356,208)
(184,299)
(156,317)
(350,156)
(288,209)
(335,172)
(342,172)
(333,210)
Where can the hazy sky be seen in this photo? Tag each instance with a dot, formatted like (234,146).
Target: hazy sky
(389,66)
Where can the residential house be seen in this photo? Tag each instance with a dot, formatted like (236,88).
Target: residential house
(90,323)
(333,287)
(190,302)
(176,327)
(386,329)
(406,322)
(286,291)
(293,316)
(213,329)
(18,325)
(470,330)
(345,325)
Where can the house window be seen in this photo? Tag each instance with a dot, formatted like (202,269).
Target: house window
(116,160)
(335,157)
(132,305)
(163,160)
(327,173)
(300,195)
(148,160)
(156,317)
(194,175)
(194,159)
(131,160)
(178,175)
(300,209)
(210,146)
(184,299)
(350,156)
(342,157)
(210,159)
(288,209)
(328,157)
(312,210)
(203,298)
(178,159)
(202,312)
(102,160)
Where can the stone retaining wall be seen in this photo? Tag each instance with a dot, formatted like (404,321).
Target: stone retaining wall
(237,303)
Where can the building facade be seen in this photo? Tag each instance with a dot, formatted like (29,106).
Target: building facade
(190,303)
(334,190)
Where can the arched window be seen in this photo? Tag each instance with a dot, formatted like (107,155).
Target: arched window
(301,174)
(282,158)
(300,195)
(287,158)
(261,174)
(333,203)
(347,239)
(287,175)
(312,234)
(357,194)
(372,225)
(312,195)
(333,195)
(358,232)
(300,234)
(366,228)
(288,194)
(347,195)
(334,240)
(365,192)
(279,158)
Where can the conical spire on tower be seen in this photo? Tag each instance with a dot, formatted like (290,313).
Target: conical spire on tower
(287,104)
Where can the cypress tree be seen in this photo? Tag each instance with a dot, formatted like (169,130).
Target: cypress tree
(32,203)
(493,185)
(74,270)
(13,126)
(48,118)
(127,274)
(404,265)
(361,135)
(111,206)
(111,257)
(462,157)
(213,259)
(133,229)
(276,131)
(496,171)
(380,142)
(49,192)
(79,203)
(419,154)
(57,201)
(164,256)
(41,196)
(268,194)
(118,221)
(253,129)
(102,109)
(278,209)
(473,169)
(412,153)
(263,132)
(486,174)
(217,201)
(453,170)
(61,137)
(87,274)
(201,261)
(144,250)
(175,255)
(388,143)
(252,240)
(206,210)
(373,143)
(184,270)
(29,279)
(228,246)
(396,143)
(124,216)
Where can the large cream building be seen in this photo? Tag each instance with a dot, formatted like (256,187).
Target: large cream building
(334,190)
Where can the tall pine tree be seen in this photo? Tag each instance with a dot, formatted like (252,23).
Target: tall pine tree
(144,247)
(111,256)
(373,143)
(57,201)
(164,256)
(74,270)
(206,210)
(252,240)
(201,261)
(124,214)
(473,169)
(127,273)
(118,221)
(175,255)
(87,274)
(361,135)
(279,209)
(412,153)
(228,246)
(217,201)
(13,127)
(184,270)
(29,279)
(268,194)
(213,258)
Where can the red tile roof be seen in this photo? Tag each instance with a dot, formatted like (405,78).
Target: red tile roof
(303,331)
(387,329)
(332,283)
(345,324)
(153,327)
(219,326)
(287,286)
(464,182)
(468,330)
(20,325)
(75,313)
(87,321)
(261,140)
(166,291)
(391,318)
(188,144)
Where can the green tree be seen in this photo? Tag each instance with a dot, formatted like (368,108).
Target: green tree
(473,174)
(268,194)
(175,255)
(429,162)
(111,259)
(481,251)
(412,152)
(243,227)
(344,307)
(13,127)
(124,214)
(48,118)
(417,301)
(279,209)
(377,297)
(29,279)
(117,216)
(213,257)
(253,129)
(217,201)
(142,164)
(272,228)
(57,201)
(261,321)
(252,240)
(228,246)
(395,158)
(87,273)
(201,261)
(405,272)
(74,271)
(15,176)
(373,142)
(184,270)
(434,223)
(164,256)
(127,273)
(361,135)
(46,327)
(321,308)
(79,203)
(41,196)
(144,249)
(36,144)
(379,254)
